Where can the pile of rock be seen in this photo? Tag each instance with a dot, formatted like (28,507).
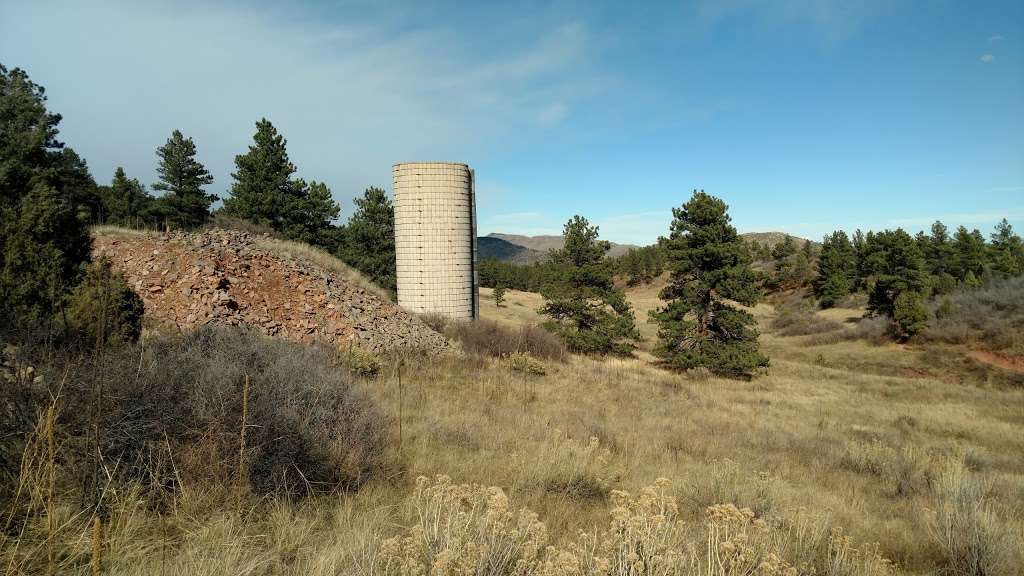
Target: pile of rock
(223,276)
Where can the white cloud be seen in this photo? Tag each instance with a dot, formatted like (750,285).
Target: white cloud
(995,38)
(986,58)
(352,96)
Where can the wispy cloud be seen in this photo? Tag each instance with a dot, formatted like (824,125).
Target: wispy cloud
(986,58)
(995,38)
(352,95)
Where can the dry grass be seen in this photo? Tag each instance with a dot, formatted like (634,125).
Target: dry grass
(842,435)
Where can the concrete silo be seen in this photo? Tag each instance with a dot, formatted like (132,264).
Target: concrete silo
(435,238)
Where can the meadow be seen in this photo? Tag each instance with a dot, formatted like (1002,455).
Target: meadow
(846,457)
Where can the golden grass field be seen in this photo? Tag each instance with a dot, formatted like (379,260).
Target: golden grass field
(872,440)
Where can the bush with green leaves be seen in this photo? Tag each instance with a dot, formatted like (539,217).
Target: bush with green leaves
(583,305)
(837,269)
(103,309)
(700,325)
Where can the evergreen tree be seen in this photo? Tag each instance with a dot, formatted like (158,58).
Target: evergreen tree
(938,253)
(499,295)
(125,201)
(262,187)
(784,249)
(895,263)
(1007,251)
(182,178)
(837,269)
(710,269)
(44,242)
(910,315)
(265,193)
(584,307)
(969,256)
(368,240)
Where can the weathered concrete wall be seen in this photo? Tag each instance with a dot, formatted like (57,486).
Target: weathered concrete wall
(435,238)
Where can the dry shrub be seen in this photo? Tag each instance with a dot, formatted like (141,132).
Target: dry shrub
(796,316)
(436,322)
(471,530)
(993,315)
(169,413)
(905,471)
(726,481)
(568,467)
(525,363)
(966,526)
(464,530)
(873,329)
(489,338)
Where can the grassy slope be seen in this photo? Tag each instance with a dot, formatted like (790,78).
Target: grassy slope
(794,438)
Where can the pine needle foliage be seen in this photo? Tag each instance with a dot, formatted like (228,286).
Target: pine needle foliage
(582,303)
(701,326)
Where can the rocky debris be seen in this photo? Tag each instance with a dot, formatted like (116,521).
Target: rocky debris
(222,276)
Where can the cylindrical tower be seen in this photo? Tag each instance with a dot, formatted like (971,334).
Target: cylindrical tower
(435,238)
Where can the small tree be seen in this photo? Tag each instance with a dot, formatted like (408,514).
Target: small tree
(125,201)
(969,255)
(104,309)
(499,295)
(368,240)
(910,315)
(837,269)
(182,178)
(710,270)
(585,309)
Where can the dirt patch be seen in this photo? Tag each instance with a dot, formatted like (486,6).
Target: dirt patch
(1004,361)
(222,276)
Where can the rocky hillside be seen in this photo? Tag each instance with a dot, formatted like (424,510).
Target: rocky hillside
(231,277)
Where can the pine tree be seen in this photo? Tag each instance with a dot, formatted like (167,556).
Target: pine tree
(585,309)
(265,193)
(499,295)
(125,201)
(44,243)
(262,184)
(710,269)
(895,263)
(938,253)
(182,178)
(309,213)
(969,256)
(837,269)
(368,240)
(1007,251)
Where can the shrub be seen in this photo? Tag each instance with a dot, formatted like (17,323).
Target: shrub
(491,339)
(471,529)
(464,529)
(993,315)
(797,316)
(525,363)
(910,316)
(359,361)
(103,308)
(499,295)
(566,466)
(179,400)
(966,526)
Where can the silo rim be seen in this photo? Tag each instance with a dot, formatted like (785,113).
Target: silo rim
(463,164)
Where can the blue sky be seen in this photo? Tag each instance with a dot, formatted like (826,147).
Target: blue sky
(805,116)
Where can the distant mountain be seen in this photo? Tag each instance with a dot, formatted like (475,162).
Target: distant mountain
(492,248)
(773,238)
(544,244)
